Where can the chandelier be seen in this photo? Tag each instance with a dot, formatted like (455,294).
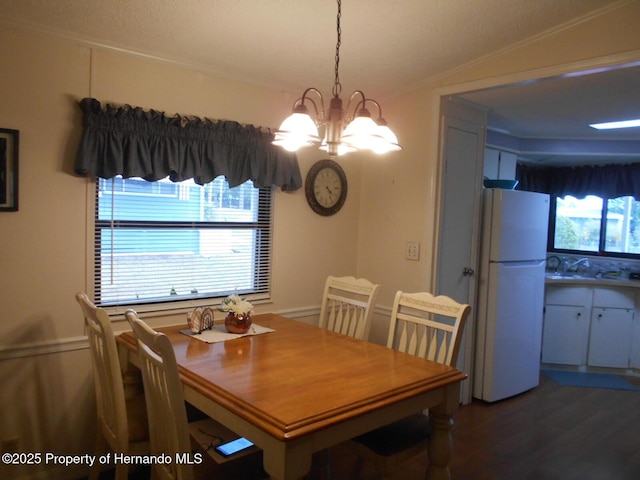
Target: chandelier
(344,132)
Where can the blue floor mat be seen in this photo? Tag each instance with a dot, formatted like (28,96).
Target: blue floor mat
(593,380)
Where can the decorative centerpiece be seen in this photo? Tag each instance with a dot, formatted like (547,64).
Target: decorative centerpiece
(239,312)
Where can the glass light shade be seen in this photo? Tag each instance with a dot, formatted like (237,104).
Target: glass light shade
(389,141)
(290,143)
(361,133)
(298,130)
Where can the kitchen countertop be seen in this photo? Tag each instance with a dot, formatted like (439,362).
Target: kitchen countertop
(591,281)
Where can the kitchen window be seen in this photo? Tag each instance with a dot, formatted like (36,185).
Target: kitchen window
(165,242)
(596,225)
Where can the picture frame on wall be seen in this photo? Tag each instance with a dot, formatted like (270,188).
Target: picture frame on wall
(9,169)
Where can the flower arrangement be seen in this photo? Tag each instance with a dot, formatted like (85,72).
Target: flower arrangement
(234,303)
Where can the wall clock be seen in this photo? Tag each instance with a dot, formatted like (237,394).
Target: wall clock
(326,187)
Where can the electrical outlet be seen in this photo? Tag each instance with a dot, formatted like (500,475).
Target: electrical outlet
(10,445)
(412,251)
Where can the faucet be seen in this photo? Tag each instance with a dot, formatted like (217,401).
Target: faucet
(582,261)
(574,266)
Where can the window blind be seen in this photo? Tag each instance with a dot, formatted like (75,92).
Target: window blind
(164,242)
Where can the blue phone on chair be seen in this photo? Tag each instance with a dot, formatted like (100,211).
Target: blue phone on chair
(234,446)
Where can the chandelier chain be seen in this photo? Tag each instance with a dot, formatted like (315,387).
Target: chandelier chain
(337,87)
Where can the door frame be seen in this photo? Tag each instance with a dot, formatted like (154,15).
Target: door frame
(592,65)
(473,121)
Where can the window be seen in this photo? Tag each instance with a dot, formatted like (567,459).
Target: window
(597,225)
(164,242)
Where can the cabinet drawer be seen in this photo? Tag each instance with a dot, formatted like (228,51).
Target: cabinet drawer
(577,296)
(613,297)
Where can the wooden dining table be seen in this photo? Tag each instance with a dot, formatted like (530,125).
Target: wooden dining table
(301,389)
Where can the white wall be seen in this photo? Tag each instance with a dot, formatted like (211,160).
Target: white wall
(46,396)
(400,195)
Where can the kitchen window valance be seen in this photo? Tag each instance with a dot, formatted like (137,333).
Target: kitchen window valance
(132,142)
(606,181)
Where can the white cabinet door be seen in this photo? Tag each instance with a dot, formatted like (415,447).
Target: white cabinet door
(610,342)
(564,338)
(634,360)
(499,165)
(507,166)
(491,163)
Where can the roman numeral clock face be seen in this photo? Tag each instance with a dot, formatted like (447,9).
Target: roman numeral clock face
(326,187)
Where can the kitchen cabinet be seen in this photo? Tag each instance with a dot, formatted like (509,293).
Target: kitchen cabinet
(564,340)
(611,327)
(566,325)
(610,341)
(634,356)
(592,326)
(499,164)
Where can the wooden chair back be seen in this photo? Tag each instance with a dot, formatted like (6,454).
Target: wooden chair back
(430,327)
(166,410)
(113,409)
(347,306)
(112,415)
(427,326)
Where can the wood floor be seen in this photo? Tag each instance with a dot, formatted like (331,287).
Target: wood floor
(551,432)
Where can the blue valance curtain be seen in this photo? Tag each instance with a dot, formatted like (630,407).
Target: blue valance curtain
(607,181)
(131,142)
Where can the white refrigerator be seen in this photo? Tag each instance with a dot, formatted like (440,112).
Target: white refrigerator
(511,293)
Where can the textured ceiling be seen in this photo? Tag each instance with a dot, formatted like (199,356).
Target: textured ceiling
(388,46)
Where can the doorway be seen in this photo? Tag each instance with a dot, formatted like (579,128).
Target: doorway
(499,91)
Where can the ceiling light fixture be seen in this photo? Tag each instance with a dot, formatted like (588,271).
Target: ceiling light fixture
(344,133)
(613,125)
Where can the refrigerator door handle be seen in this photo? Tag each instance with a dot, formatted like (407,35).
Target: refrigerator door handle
(467,271)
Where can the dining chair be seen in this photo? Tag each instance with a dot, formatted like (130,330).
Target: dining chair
(430,327)
(347,306)
(119,427)
(169,429)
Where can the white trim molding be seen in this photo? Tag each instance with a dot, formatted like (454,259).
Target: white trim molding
(44,347)
(47,347)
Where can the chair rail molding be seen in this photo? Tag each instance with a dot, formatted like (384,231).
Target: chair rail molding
(68,344)
(45,347)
